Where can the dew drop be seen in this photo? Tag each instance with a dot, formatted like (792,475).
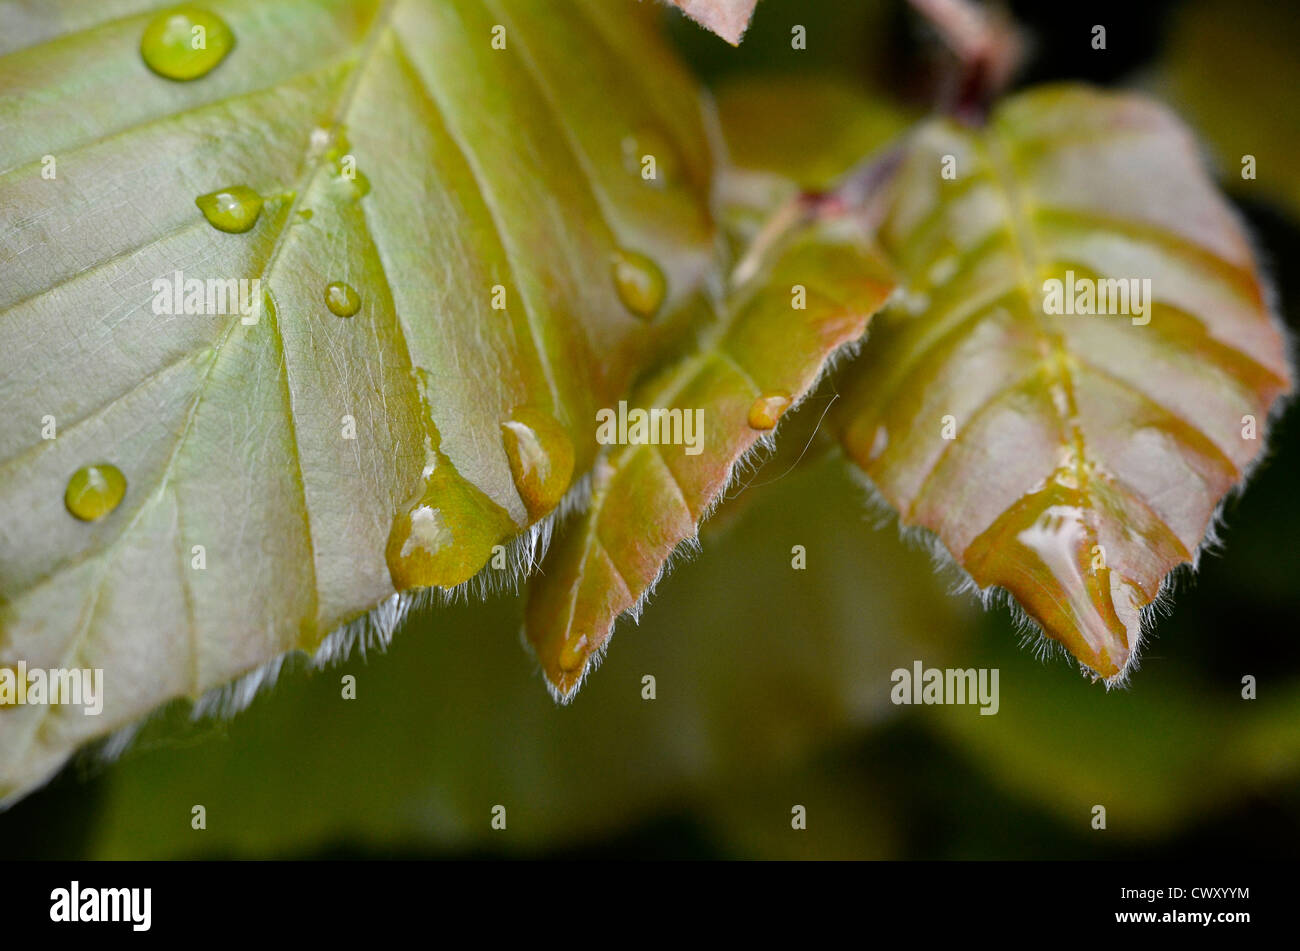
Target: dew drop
(233,210)
(185,42)
(1040,549)
(639,282)
(767,409)
(445,535)
(357,185)
(94,491)
(541,458)
(342,299)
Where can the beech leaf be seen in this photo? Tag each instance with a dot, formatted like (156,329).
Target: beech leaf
(815,295)
(450,258)
(1073,460)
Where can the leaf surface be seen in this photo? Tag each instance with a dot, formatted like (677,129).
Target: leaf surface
(1073,460)
(648,499)
(288,467)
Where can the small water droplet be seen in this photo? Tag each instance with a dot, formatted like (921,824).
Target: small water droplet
(233,210)
(541,458)
(185,42)
(342,299)
(94,491)
(639,282)
(360,183)
(767,409)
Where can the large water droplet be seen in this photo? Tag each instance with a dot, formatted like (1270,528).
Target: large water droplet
(233,210)
(185,42)
(541,458)
(639,282)
(94,491)
(767,409)
(446,534)
(342,299)
(1041,550)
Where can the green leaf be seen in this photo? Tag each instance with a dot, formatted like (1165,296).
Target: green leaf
(1074,461)
(778,331)
(292,464)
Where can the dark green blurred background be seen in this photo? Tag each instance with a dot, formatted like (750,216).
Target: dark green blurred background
(772,684)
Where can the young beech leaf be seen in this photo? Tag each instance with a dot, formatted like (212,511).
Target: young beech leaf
(727,18)
(425,203)
(768,348)
(1072,458)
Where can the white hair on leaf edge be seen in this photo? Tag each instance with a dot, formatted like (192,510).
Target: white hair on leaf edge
(749,461)
(372,630)
(1031,632)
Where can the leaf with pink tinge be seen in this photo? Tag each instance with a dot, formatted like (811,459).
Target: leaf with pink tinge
(648,499)
(1083,457)
(727,18)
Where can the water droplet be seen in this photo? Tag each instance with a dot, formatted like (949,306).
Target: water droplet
(342,299)
(767,409)
(639,282)
(94,491)
(185,42)
(233,210)
(360,183)
(1040,550)
(446,534)
(541,458)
